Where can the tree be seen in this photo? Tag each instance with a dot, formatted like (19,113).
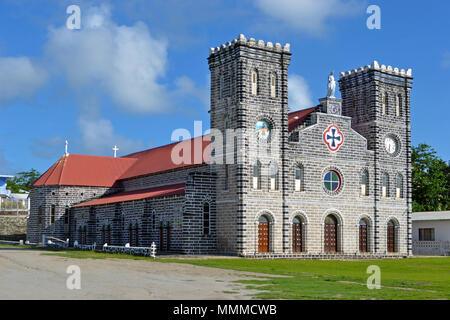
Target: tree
(430,180)
(22,181)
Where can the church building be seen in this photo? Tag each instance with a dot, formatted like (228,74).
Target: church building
(333,180)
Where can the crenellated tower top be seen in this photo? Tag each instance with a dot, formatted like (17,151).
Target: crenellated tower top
(252,43)
(375,66)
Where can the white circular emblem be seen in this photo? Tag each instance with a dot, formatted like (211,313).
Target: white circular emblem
(390,144)
(333,137)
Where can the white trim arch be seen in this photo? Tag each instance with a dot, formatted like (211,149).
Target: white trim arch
(269,213)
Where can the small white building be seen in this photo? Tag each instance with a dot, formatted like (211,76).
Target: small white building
(431,233)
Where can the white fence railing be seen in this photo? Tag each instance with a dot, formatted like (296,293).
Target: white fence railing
(137,251)
(431,248)
(14,205)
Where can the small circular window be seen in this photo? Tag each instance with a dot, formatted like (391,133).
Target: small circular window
(332,181)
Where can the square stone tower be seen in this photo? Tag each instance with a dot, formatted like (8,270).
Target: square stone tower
(377,98)
(249,104)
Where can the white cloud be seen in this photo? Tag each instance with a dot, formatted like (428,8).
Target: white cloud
(299,94)
(310,16)
(19,78)
(124,62)
(49,148)
(185,86)
(98,137)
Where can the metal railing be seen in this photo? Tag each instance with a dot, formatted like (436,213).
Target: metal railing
(14,205)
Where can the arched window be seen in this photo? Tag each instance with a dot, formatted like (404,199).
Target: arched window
(40,215)
(130,233)
(206,219)
(397,105)
(52,213)
(80,235)
(66,215)
(153,220)
(365,183)
(84,235)
(231,82)
(221,89)
(383,104)
(399,186)
(385,186)
(108,234)
(103,234)
(226,177)
(257,175)
(273,176)
(273,91)
(254,82)
(299,178)
(136,235)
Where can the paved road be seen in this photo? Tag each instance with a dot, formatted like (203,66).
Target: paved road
(26,274)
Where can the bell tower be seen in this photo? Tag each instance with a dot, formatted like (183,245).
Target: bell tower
(377,98)
(249,105)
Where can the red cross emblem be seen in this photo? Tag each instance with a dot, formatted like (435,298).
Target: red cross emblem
(333,137)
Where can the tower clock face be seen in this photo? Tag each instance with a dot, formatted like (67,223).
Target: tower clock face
(391,145)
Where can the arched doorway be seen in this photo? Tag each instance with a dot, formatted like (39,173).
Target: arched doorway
(297,235)
(391,236)
(330,234)
(263,234)
(363,236)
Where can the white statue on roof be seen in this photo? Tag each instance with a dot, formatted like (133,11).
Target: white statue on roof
(331,86)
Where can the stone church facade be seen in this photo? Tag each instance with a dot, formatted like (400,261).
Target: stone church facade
(333,180)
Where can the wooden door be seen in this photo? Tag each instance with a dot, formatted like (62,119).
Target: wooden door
(363,247)
(297,237)
(263,237)
(391,238)
(330,238)
(168,238)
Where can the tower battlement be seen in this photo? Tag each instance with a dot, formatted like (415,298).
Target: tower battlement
(375,66)
(252,43)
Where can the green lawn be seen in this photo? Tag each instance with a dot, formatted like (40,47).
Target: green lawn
(414,278)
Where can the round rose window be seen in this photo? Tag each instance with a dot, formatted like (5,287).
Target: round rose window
(332,181)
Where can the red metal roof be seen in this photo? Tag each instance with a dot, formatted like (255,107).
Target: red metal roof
(160,159)
(176,189)
(96,171)
(84,170)
(297,117)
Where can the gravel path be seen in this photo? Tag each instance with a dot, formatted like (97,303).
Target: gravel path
(26,274)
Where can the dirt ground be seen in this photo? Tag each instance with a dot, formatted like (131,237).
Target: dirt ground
(26,274)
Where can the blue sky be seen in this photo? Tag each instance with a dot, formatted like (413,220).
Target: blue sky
(137,70)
